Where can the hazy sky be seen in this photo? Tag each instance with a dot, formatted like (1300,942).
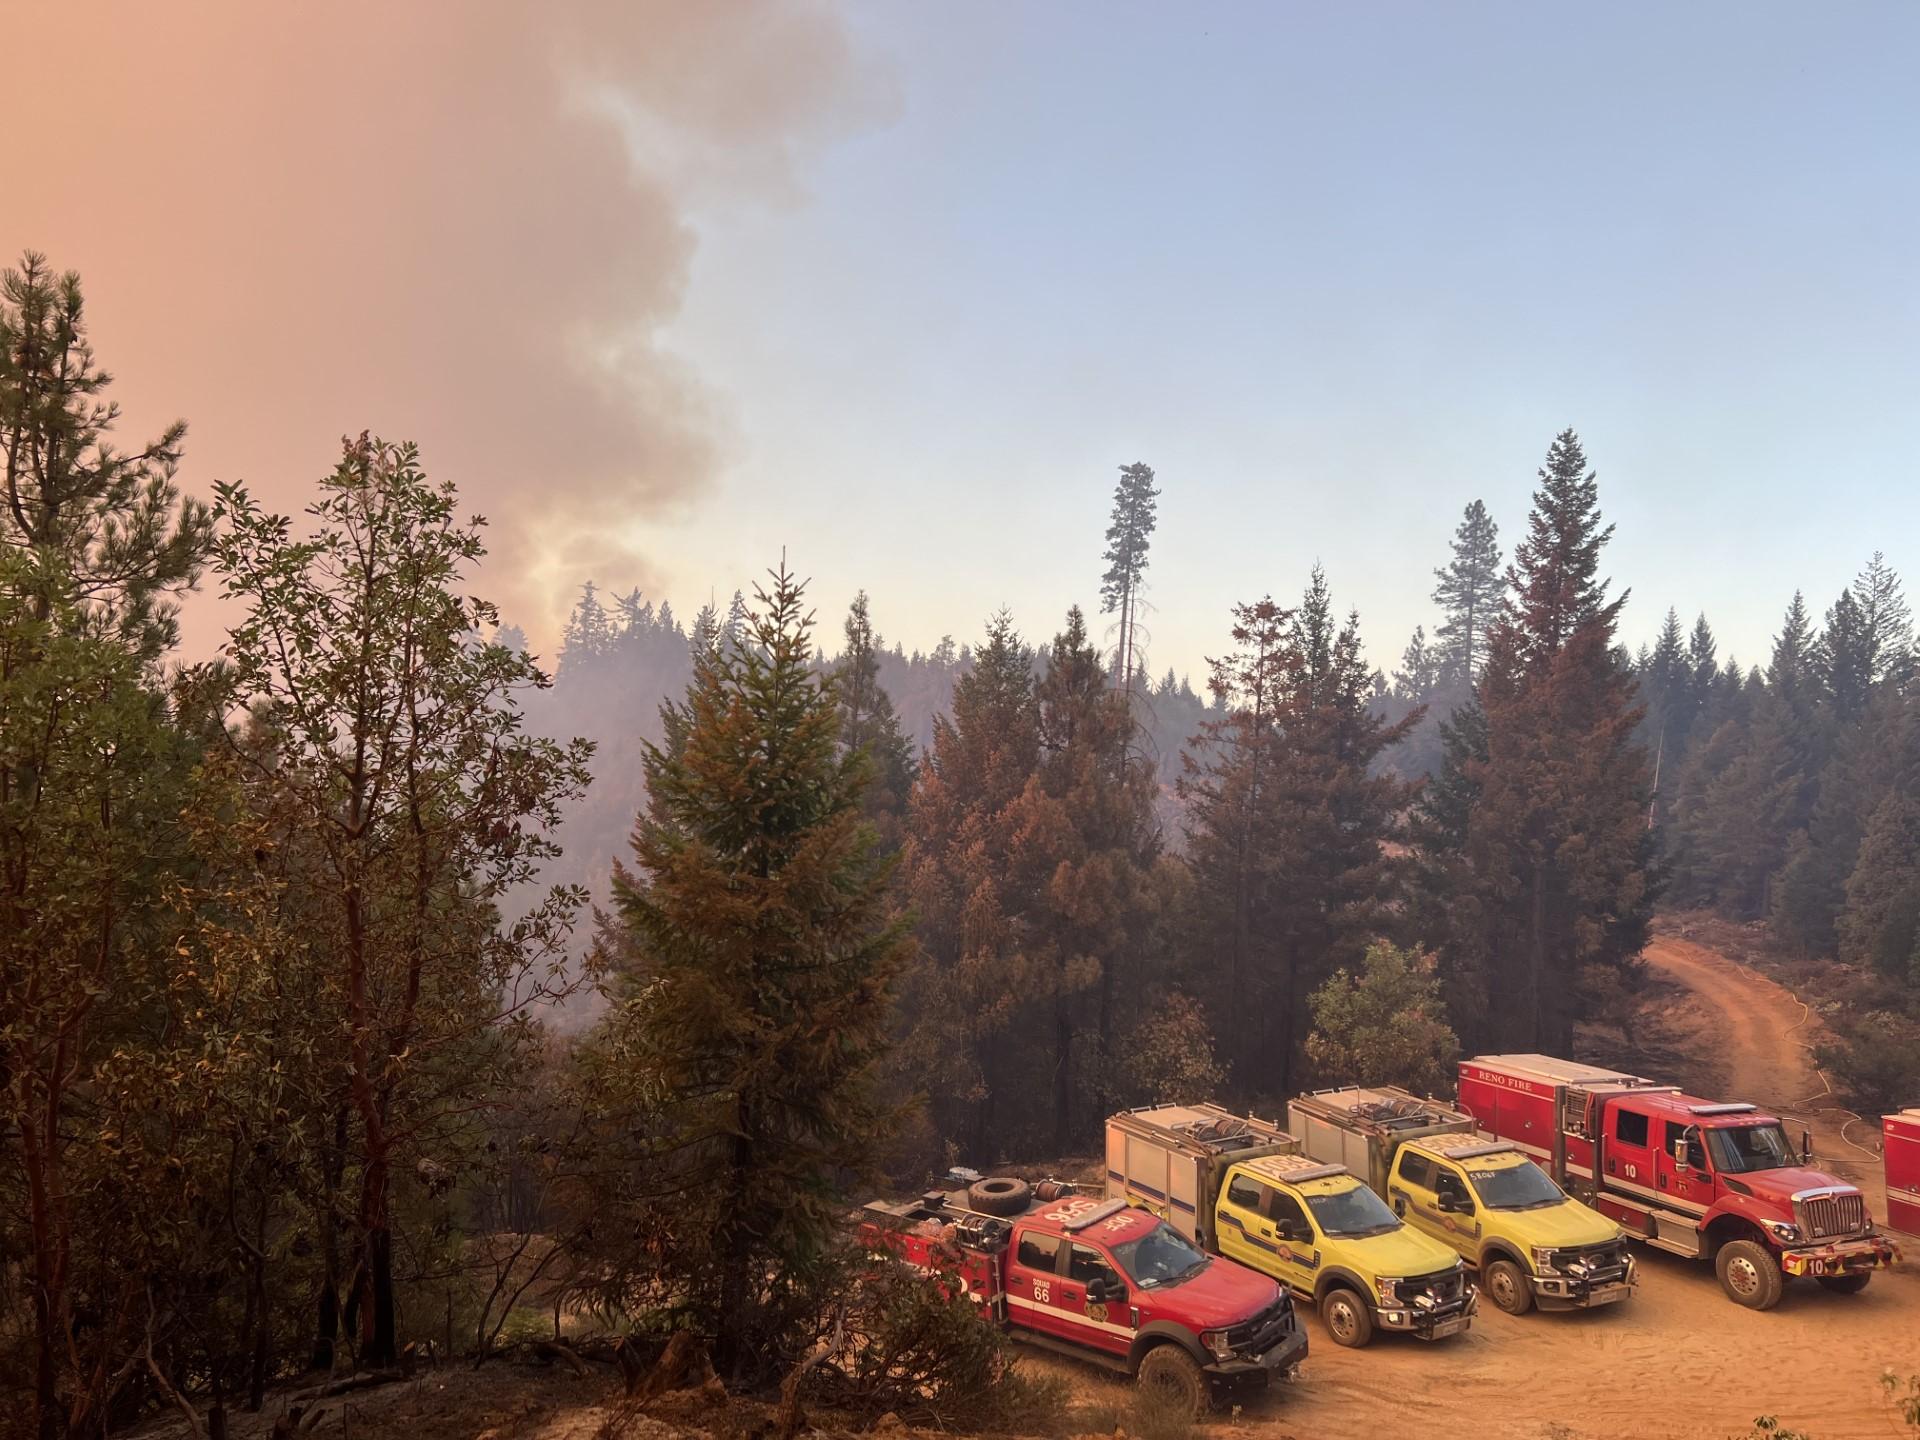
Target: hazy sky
(900,286)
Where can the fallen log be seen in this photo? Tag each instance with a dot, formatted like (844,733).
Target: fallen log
(346,1384)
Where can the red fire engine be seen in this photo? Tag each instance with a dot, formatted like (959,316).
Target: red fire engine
(1101,1281)
(1687,1175)
(1902,1134)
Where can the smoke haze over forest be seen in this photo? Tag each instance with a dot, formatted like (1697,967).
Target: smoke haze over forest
(666,288)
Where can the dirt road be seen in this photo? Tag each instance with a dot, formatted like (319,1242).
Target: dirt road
(1679,1359)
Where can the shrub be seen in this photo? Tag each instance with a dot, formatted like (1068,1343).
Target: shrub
(1875,1059)
(1384,1026)
(912,1344)
(1169,1055)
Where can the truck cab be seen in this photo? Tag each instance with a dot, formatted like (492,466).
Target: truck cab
(1492,1206)
(1103,1282)
(1696,1177)
(1531,1242)
(1326,1236)
(1240,1188)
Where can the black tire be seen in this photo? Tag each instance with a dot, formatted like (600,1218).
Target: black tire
(1347,1316)
(1000,1195)
(1845,1284)
(1169,1375)
(1508,1287)
(1749,1274)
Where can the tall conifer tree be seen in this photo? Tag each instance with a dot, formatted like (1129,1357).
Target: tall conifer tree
(1128,535)
(1469,590)
(1557,845)
(759,901)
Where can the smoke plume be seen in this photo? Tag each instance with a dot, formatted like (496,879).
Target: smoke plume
(464,224)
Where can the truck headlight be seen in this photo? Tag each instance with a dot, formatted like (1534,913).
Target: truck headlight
(1217,1342)
(1783,1232)
(1388,1291)
(1543,1257)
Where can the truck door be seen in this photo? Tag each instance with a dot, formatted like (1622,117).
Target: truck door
(1684,1182)
(1033,1283)
(1411,1190)
(1296,1256)
(1245,1225)
(1100,1323)
(1629,1153)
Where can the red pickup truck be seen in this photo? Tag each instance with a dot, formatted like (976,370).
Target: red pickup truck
(1101,1281)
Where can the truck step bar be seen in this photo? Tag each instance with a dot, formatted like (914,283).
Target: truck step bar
(1679,1234)
(1106,1360)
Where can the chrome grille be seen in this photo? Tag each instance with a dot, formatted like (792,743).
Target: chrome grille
(1443,1287)
(1599,1264)
(1263,1331)
(1825,1216)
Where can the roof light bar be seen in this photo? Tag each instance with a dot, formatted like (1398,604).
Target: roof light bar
(1085,1218)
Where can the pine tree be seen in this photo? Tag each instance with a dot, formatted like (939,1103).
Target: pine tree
(127,545)
(1444,901)
(759,900)
(1880,925)
(1663,688)
(1469,591)
(1228,771)
(963,996)
(1557,848)
(96,547)
(1885,617)
(1083,848)
(1128,535)
(588,633)
(1845,659)
(1556,570)
(1288,824)
(868,723)
(739,623)
(1419,673)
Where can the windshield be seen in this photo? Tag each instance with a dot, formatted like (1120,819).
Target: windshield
(1740,1148)
(1352,1212)
(1515,1187)
(1159,1257)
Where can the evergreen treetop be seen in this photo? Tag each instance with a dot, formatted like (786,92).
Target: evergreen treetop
(1469,591)
(1555,575)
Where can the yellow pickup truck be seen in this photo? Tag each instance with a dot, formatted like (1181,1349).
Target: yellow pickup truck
(1238,1186)
(1530,1241)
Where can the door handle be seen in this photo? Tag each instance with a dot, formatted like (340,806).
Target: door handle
(1266,1232)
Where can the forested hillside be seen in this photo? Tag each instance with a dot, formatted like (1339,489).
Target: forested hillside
(371,988)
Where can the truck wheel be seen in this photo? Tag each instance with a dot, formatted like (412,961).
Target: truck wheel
(1171,1377)
(1845,1284)
(1749,1274)
(1507,1283)
(1346,1317)
(1000,1195)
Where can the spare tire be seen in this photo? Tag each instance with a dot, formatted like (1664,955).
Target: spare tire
(1000,1195)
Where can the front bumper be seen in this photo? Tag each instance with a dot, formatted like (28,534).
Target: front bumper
(1841,1257)
(1556,1291)
(1280,1358)
(1430,1324)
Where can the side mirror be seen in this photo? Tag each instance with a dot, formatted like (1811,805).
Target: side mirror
(1806,1147)
(1446,1204)
(1680,1153)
